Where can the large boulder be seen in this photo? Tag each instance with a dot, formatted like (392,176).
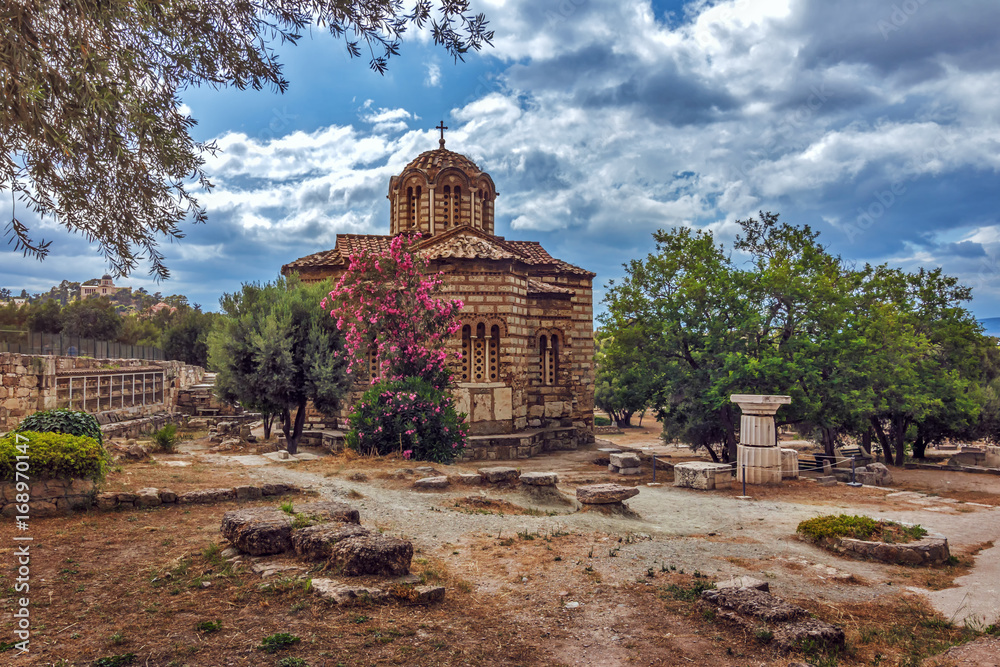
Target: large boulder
(604,494)
(259,531)
(316,542)
(371,554)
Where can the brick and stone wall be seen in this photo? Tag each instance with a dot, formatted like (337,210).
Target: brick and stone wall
(30,383)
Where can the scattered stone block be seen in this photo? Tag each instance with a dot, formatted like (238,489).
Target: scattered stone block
(148,498)
(498,474)
(429,594)
(316,542)
(630,471)
(827,480)
(432,483)
(167,496)
(248,493)
(789,463)
(703,475)
(752,602)
(603,494)
(743,582)
(371,554)
(259,532)
(624,460)
(539,478)
(469,478)
(811,630)
(338,593)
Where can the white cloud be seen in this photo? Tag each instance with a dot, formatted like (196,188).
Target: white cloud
(433,79)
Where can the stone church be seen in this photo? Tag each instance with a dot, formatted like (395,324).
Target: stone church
(525,374)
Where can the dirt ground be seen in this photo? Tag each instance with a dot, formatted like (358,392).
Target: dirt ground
(530,581)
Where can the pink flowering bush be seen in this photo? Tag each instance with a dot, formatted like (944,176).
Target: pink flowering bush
(410,416)
(386,304)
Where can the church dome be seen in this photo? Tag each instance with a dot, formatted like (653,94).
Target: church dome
(440,190)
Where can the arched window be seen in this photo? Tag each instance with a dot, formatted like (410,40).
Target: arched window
(449,221)
(466,352)
(481,353)
(411,207)
(553,367)
(543,357)
(372,364)
(548,358)
(456,206)
(494,353)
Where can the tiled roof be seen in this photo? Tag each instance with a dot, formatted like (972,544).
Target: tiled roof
(350,244)
(531,252)
(538,287)
(439,159)
(536,254)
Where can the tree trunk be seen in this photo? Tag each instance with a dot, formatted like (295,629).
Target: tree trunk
(829,440)
(866,441)
(920,444)
(268,422)
(883,440)
(622,418)
(711,452)
(641,415)
(286,424)
(899,425)
(729,452)
(300,420)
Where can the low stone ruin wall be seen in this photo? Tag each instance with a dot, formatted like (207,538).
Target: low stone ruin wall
(124,426)
(50,497)
(127,387)
(932,550)
(518,445)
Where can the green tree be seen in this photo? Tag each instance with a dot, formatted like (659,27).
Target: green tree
(624,384)
(139,331)
(46,317)
(186,339)
(92,318)
(92,131)
(275,350)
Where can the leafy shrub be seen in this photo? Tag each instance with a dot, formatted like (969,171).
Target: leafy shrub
(858,528)
(72,422)
(166,438)
(410,416)
(54,456)
(602,421)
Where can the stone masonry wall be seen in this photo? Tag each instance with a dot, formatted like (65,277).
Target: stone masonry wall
(30,383)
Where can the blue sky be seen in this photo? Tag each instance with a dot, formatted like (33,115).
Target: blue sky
(601,121)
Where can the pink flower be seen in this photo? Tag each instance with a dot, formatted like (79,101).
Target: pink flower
(407,453)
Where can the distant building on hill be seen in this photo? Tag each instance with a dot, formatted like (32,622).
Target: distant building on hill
(106,287)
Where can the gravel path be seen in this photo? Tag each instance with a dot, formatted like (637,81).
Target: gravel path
(716,534)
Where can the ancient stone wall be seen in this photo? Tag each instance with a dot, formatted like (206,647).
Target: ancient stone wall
(126,388)
(570,400)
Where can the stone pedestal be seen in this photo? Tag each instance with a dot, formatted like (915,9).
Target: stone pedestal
(789,464)
(703,475)
(758,456)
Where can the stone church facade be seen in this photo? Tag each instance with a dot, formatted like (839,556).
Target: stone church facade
(523,368)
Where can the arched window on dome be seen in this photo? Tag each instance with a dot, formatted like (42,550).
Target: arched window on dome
(411,207)
(449,221)
(456,206)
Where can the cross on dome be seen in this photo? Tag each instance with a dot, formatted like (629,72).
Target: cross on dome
(441,126)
